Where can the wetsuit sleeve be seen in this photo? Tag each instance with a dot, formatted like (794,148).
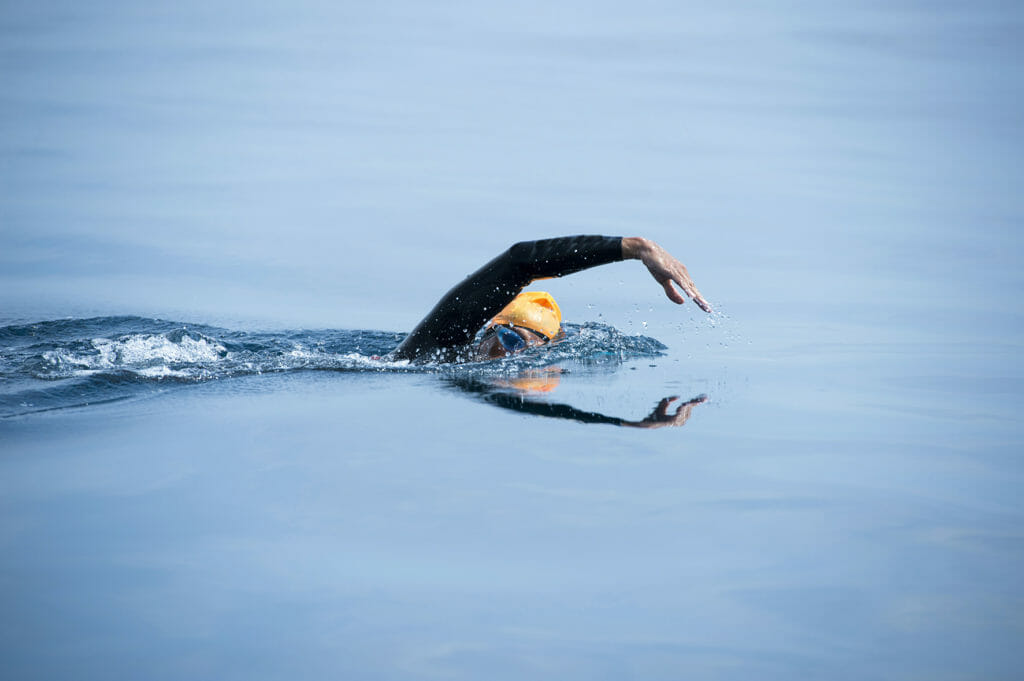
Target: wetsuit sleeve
(457,317)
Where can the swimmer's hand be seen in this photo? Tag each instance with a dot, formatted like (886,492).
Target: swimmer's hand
(660,416)
(665,269)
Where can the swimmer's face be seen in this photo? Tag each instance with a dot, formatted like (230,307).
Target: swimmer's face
(491,346)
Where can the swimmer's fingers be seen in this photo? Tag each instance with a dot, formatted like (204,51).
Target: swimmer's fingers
(670,291)
(670,273)
(682,278)
(684,282)
(699,299)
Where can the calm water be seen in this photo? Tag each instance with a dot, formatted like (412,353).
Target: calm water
(213,215)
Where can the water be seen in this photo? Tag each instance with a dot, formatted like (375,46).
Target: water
(79,362)
(215,216)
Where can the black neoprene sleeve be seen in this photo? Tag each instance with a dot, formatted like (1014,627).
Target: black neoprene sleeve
(457,317)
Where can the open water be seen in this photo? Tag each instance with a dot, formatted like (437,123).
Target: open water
(215,218)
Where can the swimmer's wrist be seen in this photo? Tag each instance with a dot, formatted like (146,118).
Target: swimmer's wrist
(634,247)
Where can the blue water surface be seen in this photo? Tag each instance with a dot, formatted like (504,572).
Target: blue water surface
(216,218)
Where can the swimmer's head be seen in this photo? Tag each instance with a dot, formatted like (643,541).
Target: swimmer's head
(532,318)
(533,310)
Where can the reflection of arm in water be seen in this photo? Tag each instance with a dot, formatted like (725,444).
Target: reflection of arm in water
(658,418)
(462,311)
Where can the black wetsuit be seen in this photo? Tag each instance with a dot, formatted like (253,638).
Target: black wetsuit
(455,320)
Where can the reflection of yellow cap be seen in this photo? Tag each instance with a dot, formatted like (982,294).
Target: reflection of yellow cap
(534,310)
(534,381)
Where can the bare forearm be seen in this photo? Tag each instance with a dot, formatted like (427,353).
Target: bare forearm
(633,247)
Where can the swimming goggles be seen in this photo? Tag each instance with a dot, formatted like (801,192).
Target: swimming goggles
(510,339)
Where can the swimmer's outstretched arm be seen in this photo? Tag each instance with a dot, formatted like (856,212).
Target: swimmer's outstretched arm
(457,317)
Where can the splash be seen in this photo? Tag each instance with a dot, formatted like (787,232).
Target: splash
(69,363)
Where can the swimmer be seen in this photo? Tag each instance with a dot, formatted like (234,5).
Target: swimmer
(516,321)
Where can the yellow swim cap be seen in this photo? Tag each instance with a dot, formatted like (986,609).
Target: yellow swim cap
(534,310)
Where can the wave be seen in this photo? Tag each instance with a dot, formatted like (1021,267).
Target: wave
(75,362)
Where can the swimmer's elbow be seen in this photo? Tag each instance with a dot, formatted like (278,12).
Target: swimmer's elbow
(521,251)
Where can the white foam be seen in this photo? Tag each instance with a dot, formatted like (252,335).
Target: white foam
(142,349)
(59,357)
(138,351)
(163,372)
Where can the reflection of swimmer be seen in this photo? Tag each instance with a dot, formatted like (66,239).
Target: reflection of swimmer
(532,318)
(662,415)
